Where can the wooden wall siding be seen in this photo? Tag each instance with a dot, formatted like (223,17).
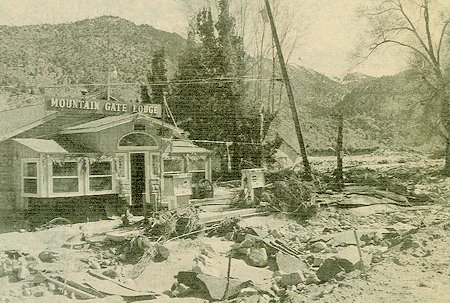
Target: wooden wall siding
(8,182)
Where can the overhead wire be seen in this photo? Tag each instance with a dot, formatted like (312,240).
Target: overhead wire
(187,81)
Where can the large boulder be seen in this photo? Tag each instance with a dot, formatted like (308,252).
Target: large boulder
(257,257)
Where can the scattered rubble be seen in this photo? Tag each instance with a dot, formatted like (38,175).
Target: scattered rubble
(293,255)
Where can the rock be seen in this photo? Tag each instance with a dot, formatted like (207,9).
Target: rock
(258,257)
(247,292)
(349,259)
(410,243)
(275,233)
(318,246)
(3,270)
(253,299)
(329,270)
(317,261)
(94,264)
(49,256)
(26,292)
(23,272)
(292,279)
(110,273)
(312,279)
(39,278)
(163,252)
(288,264)
(294,297)
(229,236)
(217,288)
(276,289)
(248,242)
(243,251)
(39,291)
(51,287)
(180,290)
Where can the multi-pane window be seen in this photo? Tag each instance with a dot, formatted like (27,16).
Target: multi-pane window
(198,164)
(30,177)
(100,176)
(65,177)
(174,165)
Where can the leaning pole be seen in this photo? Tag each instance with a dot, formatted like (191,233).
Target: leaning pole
(290,94)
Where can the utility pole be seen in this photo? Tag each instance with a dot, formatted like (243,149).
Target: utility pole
(339,173)
(290,94)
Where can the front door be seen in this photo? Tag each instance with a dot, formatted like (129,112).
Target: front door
(138,178)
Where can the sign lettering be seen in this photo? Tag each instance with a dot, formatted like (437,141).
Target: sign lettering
(102,106)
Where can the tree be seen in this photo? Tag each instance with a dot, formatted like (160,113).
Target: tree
(417,26)
(157,77)
(145,98)
(209,97)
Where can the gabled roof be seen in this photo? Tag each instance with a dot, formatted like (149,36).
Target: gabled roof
(19,120)
(42,146)
(108,122)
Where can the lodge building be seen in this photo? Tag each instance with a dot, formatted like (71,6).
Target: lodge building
(66,149)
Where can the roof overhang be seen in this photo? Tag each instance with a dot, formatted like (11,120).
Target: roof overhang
(41,145)
(112,121)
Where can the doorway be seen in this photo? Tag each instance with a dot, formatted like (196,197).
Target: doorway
(138,178)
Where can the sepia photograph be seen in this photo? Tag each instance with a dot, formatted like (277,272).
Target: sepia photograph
(239,151)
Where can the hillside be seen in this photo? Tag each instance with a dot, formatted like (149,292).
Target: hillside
(79,52)
(393,110)
(52,59)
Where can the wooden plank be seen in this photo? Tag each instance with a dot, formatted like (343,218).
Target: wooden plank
(78,292)
(112,287)
(103,277)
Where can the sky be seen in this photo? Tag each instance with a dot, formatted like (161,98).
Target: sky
(332,28)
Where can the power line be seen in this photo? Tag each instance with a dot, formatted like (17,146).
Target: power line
(187,81)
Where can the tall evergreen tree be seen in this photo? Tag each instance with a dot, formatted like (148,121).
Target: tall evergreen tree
(157,77)
(209,99)
(145,98)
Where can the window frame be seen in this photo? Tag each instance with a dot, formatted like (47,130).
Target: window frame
(112,176)
(51,178)
(38,177)
(124,148)
(183,165)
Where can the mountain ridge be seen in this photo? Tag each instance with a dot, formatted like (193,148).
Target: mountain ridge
(39,60)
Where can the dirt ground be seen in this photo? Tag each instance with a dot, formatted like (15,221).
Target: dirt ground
(409,249)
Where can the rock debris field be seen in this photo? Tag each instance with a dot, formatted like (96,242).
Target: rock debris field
(363,244)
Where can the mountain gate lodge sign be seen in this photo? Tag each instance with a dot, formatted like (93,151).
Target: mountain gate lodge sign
(102,106)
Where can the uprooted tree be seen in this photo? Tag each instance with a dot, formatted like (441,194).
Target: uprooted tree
(421,27)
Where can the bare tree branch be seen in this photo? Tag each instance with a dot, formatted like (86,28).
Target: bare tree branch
(426,15)
(441,38)
(416,33)
(378,13)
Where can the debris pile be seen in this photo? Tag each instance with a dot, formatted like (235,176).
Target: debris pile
(349,247)
(292,195)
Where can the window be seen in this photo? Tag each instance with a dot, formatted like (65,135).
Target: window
(139,127)
(30,177)
(138,139)
(174,165)
(101,176)
(65,177)
(197,164)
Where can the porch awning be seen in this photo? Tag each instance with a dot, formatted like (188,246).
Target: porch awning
(186,147)
(42,145)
